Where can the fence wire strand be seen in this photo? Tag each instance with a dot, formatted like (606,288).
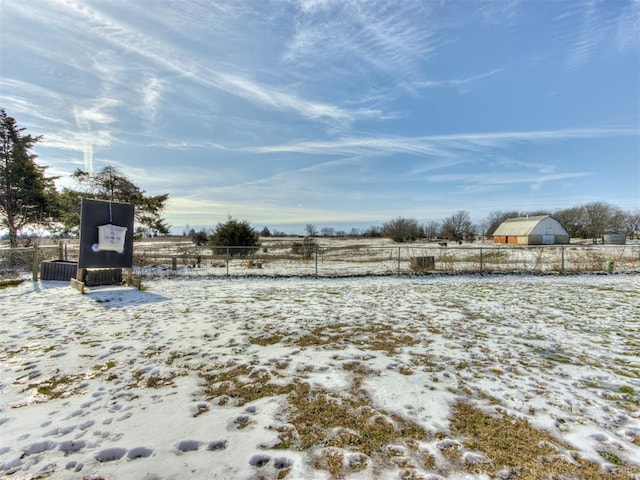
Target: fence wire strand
(287,259)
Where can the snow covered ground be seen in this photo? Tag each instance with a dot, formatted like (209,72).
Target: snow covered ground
(356,378)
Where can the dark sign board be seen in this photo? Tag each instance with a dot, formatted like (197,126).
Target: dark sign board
(106,234)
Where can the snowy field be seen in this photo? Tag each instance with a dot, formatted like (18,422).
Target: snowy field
(381,256)
(511,377)
(344,257)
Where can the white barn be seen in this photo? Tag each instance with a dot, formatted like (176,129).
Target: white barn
(538,230)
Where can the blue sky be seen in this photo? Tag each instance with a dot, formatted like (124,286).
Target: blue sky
(336,113)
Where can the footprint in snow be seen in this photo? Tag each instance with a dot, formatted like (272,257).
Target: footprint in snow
(89,403)
(126,416)
(139,452)
(199,409)
(217,445)
(72,446)
(75,413)
(242,421)
(188,445)
(75,466)
(259,460)
(110,454)
(39,447)
(282,462)
(87,424)
(114,437)
(60,431)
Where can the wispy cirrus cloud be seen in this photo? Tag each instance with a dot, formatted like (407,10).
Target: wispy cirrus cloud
(592,32)
(587,30)
(184,145)
(166,56)
(499,12)
(56,130)
(331,105)
(364,38)
(439,145)
(628,27)
(477,183)
(459,153)
(456,82)
(121,37)
(94,122)
(76,141)
(97,114)
(356,146)
(266,96)
(496,179)
(151,95)
(24,99)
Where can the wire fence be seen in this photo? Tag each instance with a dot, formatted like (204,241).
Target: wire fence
(285,259)
(16,262)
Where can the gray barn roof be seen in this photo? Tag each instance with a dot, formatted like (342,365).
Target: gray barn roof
(520,226)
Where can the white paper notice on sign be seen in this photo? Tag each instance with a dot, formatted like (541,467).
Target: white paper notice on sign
(111,238)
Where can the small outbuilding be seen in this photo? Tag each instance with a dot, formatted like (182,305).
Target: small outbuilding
(614,238)
(537,230)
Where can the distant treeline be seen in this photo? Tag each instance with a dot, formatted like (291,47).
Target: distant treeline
(588,221)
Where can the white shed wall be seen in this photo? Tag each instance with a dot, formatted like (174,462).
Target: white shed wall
(548,226)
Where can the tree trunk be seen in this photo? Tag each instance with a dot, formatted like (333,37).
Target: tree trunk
(13,238)
(9,221)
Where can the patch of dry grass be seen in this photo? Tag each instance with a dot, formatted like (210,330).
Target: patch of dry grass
(12,282)
(529,453)
(140,379)
(382,337)
(425,360)
(265,340)
(242,384)
(338,423)
(320,336)
(57,386)
(358,368)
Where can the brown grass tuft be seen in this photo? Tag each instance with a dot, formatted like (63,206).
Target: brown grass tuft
(242,384)
(343,423)
(530,454)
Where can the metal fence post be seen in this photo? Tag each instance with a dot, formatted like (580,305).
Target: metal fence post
(34,267)
(561,259)
(398,261)
(227,260)
(481,259)
(317,248)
